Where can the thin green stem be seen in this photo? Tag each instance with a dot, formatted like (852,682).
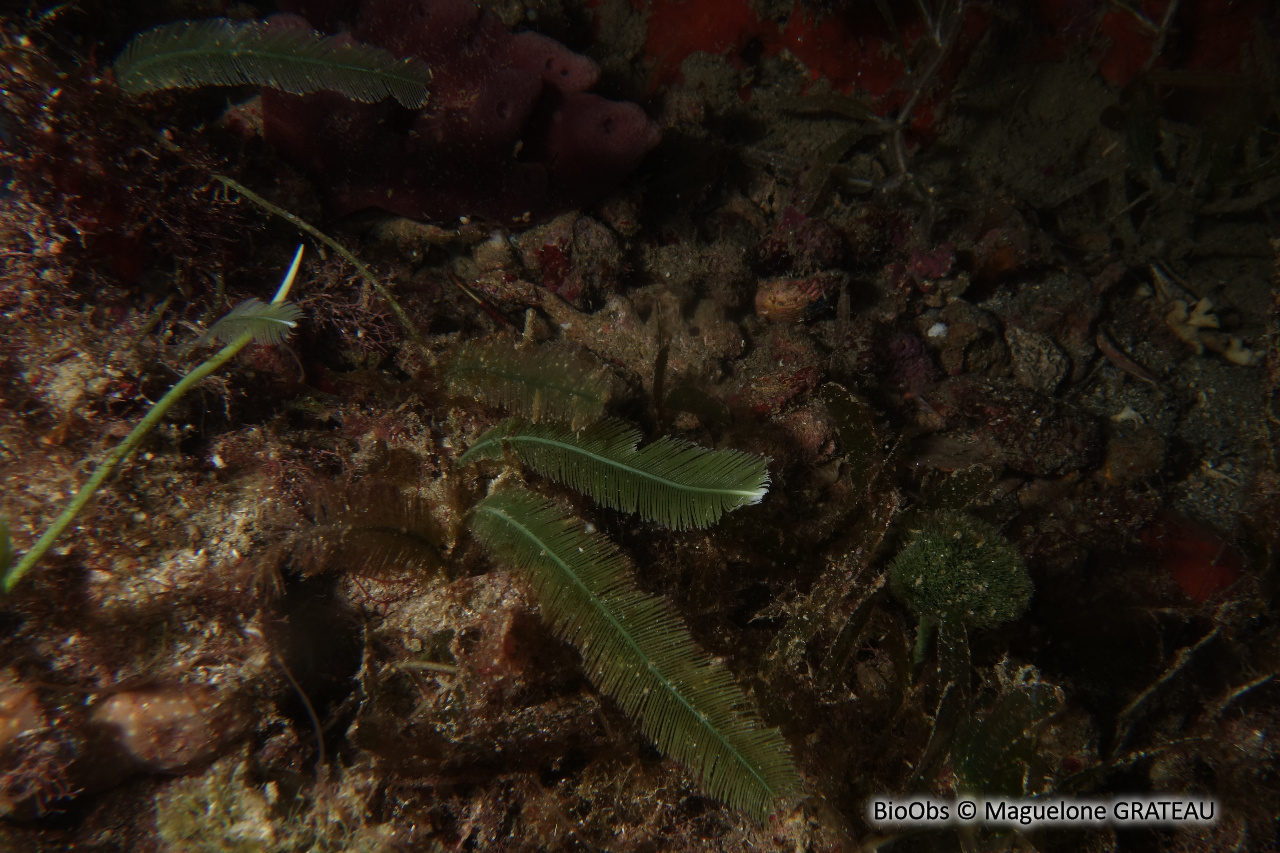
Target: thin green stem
(122,451)
(924,633)
(307,228)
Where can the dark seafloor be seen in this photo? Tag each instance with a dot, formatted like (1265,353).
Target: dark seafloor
(1012,260)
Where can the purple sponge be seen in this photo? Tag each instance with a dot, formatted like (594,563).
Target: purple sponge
(553,62)
(509,134)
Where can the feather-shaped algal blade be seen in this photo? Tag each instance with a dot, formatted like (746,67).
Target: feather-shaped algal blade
(675,483)
(370,529)
(636,649)
(540,383)
(219,52)
(268,322)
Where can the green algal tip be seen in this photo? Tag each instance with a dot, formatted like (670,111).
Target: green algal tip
(959,570)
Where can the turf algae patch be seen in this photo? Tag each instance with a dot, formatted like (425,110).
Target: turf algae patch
(539,383)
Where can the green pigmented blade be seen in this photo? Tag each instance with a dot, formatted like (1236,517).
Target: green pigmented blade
(677,484)
(220,52)
(637,650)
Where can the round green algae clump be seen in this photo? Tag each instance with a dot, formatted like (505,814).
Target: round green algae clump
(958,569)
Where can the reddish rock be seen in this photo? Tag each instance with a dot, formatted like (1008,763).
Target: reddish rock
(575,257)
(909,365)
(932,265)
(801,243)
(170,729)
(783,368)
